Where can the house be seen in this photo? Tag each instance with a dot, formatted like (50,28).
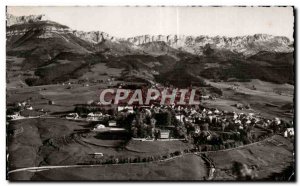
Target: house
(128,109)
(15,116)
(89,102)
(153,122)
(204,97)
(97,154)
(94,116)
(28,107)
(24,103)
(164,134)
(18,104)
(197,129)
(99,127)
(180,117)
(288,132)
(72,116)
(112,123)
(277,121)
(239,106)
(217,111)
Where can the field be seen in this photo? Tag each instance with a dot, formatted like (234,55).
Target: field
(190,167)
(268,157)
(50,141)
(268,99)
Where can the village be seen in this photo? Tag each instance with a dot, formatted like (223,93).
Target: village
(191,123)
(202,129)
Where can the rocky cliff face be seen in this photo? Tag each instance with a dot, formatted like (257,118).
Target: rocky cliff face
(247,45)
(12,20)
(18,26)
(47,29)
(94,36)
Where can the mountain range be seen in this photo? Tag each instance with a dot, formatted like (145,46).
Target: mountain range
(51,52)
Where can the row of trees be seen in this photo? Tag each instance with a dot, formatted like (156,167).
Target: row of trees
(84,110)
(197,148)
(119,160)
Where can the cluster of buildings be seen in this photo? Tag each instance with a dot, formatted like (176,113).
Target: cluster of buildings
(24,109)
(201,119)
(20,110)
(231,121)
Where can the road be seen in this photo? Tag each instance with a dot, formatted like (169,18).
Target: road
(43,168)
(210,165)
(33,117)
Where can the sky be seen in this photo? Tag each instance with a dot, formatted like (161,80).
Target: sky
(133,21)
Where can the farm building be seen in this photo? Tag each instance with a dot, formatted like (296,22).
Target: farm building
(97,155)
(164,134)
(94,116)
(99,127)
(72,116)
(180,117)
(28,107)
(14,116)
(125,108)
(288,132)
(205,97)
(112,123)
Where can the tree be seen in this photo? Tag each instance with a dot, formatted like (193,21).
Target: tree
(207,50)
(134,132)
(180,131)
(243,172)
(177,153)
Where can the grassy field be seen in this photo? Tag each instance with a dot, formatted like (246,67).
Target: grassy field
(189,167)
(266,94)
(52,141)
(35,133)
(154,147)
(64,98)
(269,157)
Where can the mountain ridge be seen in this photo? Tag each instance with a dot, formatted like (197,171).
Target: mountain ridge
(54,53)
(246,45)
